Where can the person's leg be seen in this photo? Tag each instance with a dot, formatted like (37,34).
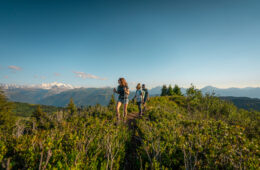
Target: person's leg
(140,108)
(118,105)
(125,111)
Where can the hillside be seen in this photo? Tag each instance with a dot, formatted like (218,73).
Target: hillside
(82,97)
(244,102)
(235,92)
(28,95)
(59,96)
(176,132)
(26,110)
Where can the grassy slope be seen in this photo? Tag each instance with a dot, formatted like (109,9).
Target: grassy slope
(26,110)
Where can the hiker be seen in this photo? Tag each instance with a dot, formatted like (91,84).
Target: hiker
(123,92)
(139,98)
(146,96)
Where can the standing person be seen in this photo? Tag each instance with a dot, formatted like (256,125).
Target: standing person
(146,95)
(139,98)
(123,92)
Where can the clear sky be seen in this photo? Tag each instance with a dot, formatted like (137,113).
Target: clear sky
(93,43)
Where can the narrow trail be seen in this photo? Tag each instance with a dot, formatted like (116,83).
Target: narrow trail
(131,158)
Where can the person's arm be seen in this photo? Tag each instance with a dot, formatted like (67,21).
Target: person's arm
(146,95)
(115,91)
(127,91)
(133,99)
(134,96)
(142,97)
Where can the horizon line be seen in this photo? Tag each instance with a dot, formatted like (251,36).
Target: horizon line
(109,86)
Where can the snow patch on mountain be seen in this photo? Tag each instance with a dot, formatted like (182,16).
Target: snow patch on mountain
(53,85)
(47,86)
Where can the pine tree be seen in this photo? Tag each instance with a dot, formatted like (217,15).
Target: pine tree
(164,90)
(42,119)
(112,101)
(170,91)
(72,107)
(177,90)
(38,114)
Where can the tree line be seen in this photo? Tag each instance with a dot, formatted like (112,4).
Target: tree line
(169,91)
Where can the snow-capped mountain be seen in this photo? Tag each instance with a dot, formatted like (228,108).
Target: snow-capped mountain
(11,86)
(53,85)
(47,86)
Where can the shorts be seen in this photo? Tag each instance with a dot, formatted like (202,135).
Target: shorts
(124,101)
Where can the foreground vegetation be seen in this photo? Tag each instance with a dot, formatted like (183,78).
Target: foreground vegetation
(176,132)
(88,139)
(198,132)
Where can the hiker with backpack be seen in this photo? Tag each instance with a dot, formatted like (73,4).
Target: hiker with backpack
(146,95)
(123,92)
(139,98)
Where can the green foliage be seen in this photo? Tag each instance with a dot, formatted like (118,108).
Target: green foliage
(26,110)
(41,119)
(170,91)
(6,116)
(244,102)
(177,132)
(112,103)
(177,90)
(72,109)
(198,132)
(164,90)
(90,140)
(179,144)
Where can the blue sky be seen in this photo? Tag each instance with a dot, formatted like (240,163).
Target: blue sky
(93,43)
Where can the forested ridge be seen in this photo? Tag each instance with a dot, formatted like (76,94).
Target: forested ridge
(194,131)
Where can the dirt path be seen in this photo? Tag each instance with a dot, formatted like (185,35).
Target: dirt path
(131,157)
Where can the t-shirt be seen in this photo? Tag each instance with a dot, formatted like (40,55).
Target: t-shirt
(121,92)
(145,93)
(138,95)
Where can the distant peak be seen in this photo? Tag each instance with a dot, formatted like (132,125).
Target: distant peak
(209,88)
(39,86)
(53,85)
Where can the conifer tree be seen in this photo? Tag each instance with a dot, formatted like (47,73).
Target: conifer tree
(177,90)
(41,118)
(112,101)
(72,107)
(170,91)
(38,114)
(164,90)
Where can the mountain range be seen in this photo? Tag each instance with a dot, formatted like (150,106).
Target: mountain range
(59,94)
(251,92)
(38,86)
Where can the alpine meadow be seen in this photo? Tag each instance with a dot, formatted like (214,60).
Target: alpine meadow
(129,85)
(191,131)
